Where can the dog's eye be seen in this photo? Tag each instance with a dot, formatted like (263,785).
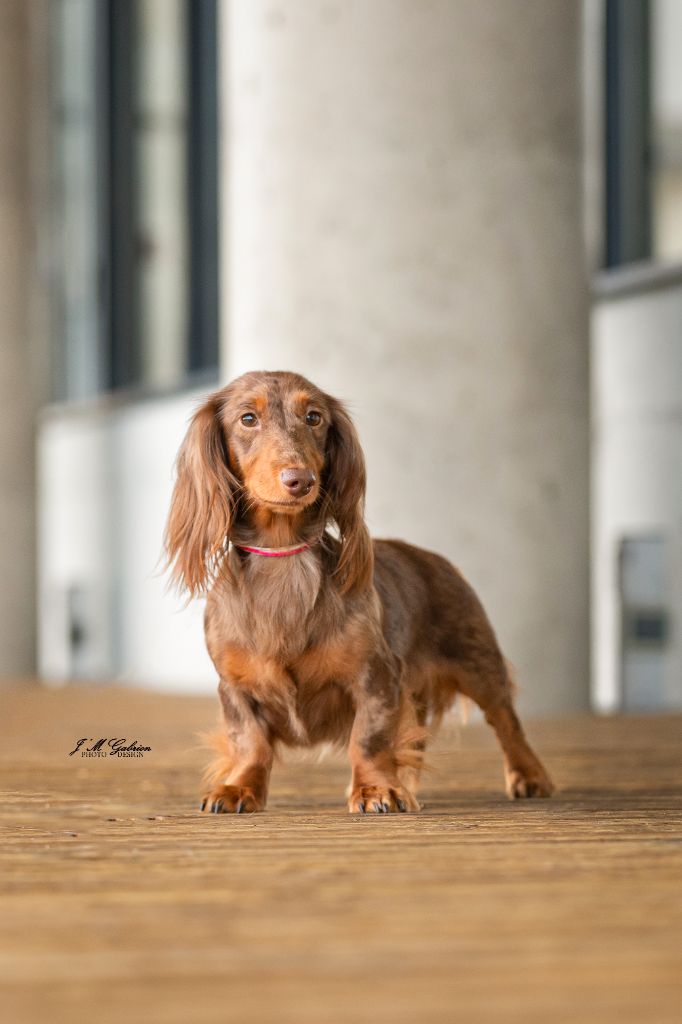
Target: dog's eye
(249,419)
(313,419)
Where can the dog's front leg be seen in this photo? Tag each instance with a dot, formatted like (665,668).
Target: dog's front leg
(375,786)
(240,774)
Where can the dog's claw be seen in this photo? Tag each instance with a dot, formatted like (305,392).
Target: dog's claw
(233,800)
(381,800)
(203,804)
(520,785)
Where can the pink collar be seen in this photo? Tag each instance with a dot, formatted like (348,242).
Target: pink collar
(274,552)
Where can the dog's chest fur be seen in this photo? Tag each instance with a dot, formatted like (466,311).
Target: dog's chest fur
(283,637)
(276,600)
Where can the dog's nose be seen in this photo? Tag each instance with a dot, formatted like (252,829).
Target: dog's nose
(297,481)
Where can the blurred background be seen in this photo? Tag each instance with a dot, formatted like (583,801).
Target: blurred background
(464,217)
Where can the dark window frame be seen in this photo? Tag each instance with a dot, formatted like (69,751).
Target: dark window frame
(628,149)
(120,343)
(203,186)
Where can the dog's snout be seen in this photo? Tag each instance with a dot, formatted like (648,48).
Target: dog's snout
(297,481)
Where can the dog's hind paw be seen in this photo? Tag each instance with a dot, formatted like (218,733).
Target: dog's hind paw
(526,784)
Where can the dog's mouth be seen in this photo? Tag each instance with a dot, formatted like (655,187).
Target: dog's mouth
(289,504)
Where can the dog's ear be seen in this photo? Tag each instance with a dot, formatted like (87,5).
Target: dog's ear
(344,483)
(203,502)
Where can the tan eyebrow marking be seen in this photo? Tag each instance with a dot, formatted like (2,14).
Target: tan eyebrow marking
(257,402)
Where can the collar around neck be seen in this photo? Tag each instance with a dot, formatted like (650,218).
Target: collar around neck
(295,549)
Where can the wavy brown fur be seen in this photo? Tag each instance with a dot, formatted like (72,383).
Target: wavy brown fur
(350,642)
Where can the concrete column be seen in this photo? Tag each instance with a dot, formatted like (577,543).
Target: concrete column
(403,224)
(17,566)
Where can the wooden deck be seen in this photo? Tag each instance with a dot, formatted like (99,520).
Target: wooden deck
(120,902)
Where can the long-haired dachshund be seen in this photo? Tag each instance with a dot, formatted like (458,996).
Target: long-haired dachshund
(318,633)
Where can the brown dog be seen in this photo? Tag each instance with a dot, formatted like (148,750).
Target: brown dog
(317,633)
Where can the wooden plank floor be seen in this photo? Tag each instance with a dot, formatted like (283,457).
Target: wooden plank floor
(119,901)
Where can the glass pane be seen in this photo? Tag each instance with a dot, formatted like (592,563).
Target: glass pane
(75,203)
(666,101)
(160,174)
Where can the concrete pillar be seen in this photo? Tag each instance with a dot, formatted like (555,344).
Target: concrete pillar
(17,566)
(403,224)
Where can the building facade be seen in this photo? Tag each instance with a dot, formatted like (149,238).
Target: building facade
(446,214)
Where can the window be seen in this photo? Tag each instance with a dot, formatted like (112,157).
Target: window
(135,194)
(666,84)
(643,131)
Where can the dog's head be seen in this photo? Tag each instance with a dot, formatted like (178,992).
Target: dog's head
(266,441)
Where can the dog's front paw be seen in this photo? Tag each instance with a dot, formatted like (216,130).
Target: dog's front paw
(381,800)
(231,800)
(522,784)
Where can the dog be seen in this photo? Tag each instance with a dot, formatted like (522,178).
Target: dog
(317,633)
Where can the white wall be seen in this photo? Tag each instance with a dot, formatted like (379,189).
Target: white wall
(636,464)
(105,484)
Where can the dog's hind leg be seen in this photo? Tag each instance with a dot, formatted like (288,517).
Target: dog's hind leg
(486,681)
